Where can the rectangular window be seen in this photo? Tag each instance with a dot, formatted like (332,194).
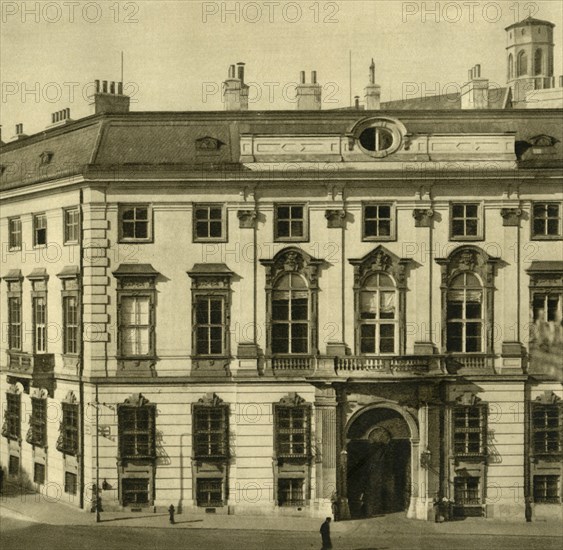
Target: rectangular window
(209,492)
(14,466)
(68,438)
(290,492)
(71,325)
(38,422)
(15,233)
(135,491)
(39,230)
(466,491)
(71,483)
(135,325)
(39,473)
(210,325)
(290,222)
(290,316)
(465,221)
(14,323)
(136,432)
(469,426)
(546,489)
(378,222)
(546,429)
(209,223)
(135,223)
(210,432)
(40,324)
(72,225)
(12,418)
(546,220)
(292,431)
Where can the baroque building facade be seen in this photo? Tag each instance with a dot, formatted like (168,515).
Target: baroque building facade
(349,312)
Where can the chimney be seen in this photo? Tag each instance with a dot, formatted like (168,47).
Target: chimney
(475,92)
(309,96)
(235,91)
(19,132)
(357,102)
(372,92)
(60,118)
(108,99)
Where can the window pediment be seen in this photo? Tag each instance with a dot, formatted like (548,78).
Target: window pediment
(136,400)
(468,258)
(210,400)
(380,260)
(292,400)
(292,260)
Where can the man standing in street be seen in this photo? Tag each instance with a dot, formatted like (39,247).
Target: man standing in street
(325,534)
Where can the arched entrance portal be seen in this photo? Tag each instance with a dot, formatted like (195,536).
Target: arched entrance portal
(379,463)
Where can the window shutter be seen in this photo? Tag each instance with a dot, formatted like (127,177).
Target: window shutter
(484,429)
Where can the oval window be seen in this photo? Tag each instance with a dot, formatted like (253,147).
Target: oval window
(376,139)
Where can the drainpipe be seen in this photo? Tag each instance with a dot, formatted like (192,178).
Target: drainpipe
(81,355)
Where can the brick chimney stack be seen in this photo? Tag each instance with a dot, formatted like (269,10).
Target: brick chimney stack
(60,118)
(475,92)
(309,96)
(111,101)
(235,91)
(372,91)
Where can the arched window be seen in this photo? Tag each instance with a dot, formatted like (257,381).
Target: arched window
(510,67)
(522,67)
(378,315)
(465,314)
(290,315)
(538,62)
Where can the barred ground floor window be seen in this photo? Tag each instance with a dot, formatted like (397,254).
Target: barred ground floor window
(466,491)
(546,489)
(14,465)
(135,491)
(39,473)
(291,492)
(209,492)
(71,483)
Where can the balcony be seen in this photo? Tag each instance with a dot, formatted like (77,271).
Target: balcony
(386,366)
(39,367)
(470,363)
(291,365)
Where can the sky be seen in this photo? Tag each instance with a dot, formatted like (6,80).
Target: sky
(177,53)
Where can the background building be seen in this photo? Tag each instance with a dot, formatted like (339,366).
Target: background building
(277,312)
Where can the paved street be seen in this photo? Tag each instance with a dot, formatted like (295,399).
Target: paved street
(20,534)
(27,523)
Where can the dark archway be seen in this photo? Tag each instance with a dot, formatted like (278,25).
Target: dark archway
(379,463)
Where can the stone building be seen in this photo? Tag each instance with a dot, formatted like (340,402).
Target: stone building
(310,312)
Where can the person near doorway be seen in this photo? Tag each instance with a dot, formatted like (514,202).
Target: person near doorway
(325,534)
(171,511)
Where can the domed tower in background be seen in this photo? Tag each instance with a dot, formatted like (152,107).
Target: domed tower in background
(529,58)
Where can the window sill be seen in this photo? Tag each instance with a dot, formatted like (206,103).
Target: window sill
(14,249)
(291,239)
(71,243)
(378,239)
(135,241)
(546,238)
(200,240)
(473,238)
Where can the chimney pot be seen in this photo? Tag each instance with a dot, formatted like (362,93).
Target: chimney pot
(478,70)
(232,72)
(302,77)
(68,112)
(313,77)
(470,74)
(240,66)
(120,88)
(53,118)
(105,86)
(357,101)
(112,87)
(97,82)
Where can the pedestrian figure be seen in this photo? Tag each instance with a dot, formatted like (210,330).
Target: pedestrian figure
(325,534)
(1,480)
(171,511)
